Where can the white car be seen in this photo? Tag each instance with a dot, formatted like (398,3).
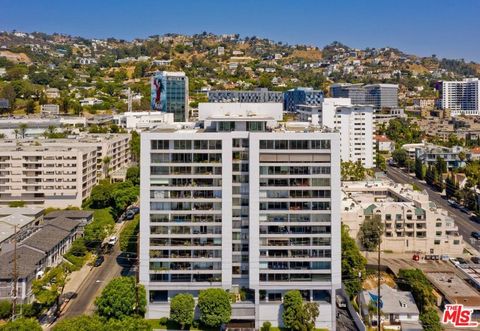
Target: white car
(113,240)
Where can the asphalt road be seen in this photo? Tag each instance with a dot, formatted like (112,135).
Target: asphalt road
(93,284)
(465,225)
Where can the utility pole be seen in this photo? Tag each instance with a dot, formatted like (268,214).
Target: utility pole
(14,274)
(378,284)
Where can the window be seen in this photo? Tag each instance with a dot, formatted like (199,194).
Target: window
(159,144)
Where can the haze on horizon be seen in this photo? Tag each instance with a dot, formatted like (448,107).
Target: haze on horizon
(416,27)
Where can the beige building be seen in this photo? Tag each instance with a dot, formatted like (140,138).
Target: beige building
(50,176)
(112,150)
(412,222)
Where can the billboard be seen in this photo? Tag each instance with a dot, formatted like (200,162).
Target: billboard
(158,100)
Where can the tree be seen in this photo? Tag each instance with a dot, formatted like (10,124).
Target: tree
(8,92)
(22,129)
(292,309)
(22,324)
(380,161)
(135,146)
(106,165)
(182,309)
(400,156)
(297,314)
(215,308)
(5,309)
(128,236)
(419,168)
(353,171)
(370,234)
(430,320)
(310,314)
(96,323)
(133,175)
(83,322)
(48,289)
(30,107)
(353,264)
(119,299)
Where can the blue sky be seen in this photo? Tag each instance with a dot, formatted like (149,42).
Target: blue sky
(447,28)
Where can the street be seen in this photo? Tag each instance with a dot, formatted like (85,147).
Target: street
(462,220)
(96,280)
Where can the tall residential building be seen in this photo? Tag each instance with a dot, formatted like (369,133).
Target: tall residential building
(355,123)
(412,223)
(169,94)
(259,95)
(378,95)
(461,97)
(241,202)
(53,176)
(301,96)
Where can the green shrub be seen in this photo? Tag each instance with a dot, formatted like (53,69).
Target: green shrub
(5,309)
(266,326)
(163,321)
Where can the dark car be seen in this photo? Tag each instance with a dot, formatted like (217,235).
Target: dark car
(135,210)
(98,262)
(129,215)
(464,210)
(475,259)
(462,260)
(476,235)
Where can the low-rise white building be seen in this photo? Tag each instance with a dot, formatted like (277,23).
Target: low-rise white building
(142,120)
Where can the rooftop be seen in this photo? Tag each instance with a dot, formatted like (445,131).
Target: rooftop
(63,223)
(46,238)
(394,301)
(72,214)
(27,261)
(454,289)
(30,211)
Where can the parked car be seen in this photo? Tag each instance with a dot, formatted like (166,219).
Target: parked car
(98,262)
(113,240)
(476,235)
(464,210)
(454,261)
(461,260)
(475,259)
(135,210)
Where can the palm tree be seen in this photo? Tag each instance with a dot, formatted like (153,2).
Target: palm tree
(106,162)
(16,133)
(23,129)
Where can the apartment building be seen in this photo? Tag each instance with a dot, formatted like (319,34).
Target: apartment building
(429,153)
(53,176)
(259,95)
(412,223)
(355,123)
(112,150)
(461,97)
(301,96)
(240,202)
(378,95)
